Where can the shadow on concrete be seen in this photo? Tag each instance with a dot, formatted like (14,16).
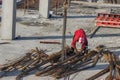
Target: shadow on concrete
(56,17)
(117,53)
(106,35)
(60,37)
(42,37)
(97,67)
(110,34)
(77,70)
(73,17)
(11,73)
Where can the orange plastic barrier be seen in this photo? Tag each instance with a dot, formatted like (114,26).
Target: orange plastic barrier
(108,20)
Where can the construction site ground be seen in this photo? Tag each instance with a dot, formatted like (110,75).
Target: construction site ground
(32,28)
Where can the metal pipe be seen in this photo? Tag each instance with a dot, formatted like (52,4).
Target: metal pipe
(64,29)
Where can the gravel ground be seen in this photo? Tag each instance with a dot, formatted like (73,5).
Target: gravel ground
(30,30)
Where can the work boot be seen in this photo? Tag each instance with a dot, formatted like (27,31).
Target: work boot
(71,52)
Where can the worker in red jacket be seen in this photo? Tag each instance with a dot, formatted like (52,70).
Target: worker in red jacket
(80,37)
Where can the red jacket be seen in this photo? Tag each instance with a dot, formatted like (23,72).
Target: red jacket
(79,36)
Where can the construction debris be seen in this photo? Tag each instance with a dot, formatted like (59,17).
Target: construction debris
(53,65)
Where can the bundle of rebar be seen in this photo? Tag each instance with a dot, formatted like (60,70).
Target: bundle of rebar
(113,68)
(40,63)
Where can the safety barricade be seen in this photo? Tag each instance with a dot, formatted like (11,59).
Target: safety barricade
(106,20)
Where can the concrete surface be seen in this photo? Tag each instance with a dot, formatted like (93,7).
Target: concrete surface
(30,30)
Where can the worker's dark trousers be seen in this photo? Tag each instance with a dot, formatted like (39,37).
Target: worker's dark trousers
(112,1)
(94,0)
